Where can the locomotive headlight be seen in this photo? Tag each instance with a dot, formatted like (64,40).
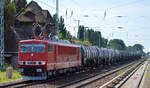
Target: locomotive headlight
(20,62)
(42,62)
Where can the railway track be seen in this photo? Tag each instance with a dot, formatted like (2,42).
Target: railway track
(22,83)
(84,82)
(138,74)
(12,83)
(124,80)
(59,80)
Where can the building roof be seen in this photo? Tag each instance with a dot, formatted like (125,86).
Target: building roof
(34,13)
(48,16)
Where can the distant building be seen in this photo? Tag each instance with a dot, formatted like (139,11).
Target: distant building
(31,21)
(34,16)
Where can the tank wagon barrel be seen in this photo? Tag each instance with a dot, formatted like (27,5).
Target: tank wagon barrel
(92,55)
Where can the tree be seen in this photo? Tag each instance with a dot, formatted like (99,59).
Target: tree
(117,44)
(69,36)
(138,48)
(10,12)
(90,35)
(86,34)
(130,49)
(62,31)
(20,4)
(62,28)
(82,42)
(96,40)
(104,42)
(54,18)
(81,33)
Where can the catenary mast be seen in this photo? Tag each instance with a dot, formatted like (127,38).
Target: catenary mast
(1,34)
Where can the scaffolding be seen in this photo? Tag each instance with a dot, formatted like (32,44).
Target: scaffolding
(1,35)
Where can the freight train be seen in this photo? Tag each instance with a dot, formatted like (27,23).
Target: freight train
(40,59)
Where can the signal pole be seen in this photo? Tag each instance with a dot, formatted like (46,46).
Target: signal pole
(57,16)
(1,34)
(78,27)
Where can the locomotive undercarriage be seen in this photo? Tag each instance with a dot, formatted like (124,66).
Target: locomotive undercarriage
(40,74)
(33,73)
(62,71)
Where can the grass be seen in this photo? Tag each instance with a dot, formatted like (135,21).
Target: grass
(16,74)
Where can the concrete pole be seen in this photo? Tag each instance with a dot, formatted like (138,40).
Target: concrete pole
(78,27)
(1,35)
(57,16)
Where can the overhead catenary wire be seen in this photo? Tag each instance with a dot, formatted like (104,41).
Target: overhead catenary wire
(69,10)
(80,10)
(45,4)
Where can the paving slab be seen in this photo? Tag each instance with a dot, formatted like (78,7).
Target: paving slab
(135,78)
(146,79)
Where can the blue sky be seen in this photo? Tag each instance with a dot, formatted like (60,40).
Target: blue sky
(135,18)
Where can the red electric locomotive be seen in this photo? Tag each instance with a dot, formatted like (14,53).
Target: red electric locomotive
(39,59)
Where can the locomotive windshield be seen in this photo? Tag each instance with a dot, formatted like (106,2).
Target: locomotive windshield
(32,47)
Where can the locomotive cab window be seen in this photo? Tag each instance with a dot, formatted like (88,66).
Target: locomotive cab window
(32,48)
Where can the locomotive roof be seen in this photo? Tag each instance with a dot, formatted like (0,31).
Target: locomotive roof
(51,42)
(30,40)
(63,44)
